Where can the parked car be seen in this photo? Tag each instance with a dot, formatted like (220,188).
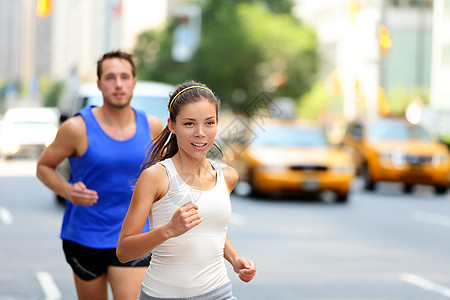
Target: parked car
(291,158)
(396,151)
(27,131)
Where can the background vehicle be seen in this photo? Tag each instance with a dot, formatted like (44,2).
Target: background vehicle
(394,150)
(148,96)
(291,158)
(27,131)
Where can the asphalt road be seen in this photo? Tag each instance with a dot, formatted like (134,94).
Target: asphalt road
(382,245)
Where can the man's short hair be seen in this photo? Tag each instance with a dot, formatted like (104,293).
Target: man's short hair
(115,54)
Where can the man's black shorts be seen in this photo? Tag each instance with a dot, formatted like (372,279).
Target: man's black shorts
(89,263)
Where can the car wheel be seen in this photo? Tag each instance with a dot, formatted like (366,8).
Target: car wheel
(342,198)
(440,190)
(242,188)
(369,185)
(407,188)
(253,191)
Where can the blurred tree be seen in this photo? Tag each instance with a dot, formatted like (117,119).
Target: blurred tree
(399,97)
(247,47)
(50,91)
(315,102)
(279,6)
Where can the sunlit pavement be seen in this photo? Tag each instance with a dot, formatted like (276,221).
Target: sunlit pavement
(380,245)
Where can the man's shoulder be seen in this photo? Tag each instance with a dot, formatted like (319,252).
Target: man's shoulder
(74,125)
(153,120)
(155,125)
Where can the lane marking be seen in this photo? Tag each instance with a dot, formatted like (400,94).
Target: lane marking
(425,284)
(48,285)
(237,219)
(430,218)
(5,216)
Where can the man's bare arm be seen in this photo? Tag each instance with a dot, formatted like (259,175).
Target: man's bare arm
(70,140)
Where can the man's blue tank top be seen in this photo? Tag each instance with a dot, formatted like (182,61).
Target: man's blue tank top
(109,167)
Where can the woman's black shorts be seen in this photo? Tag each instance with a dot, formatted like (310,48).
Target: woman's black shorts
(90,263)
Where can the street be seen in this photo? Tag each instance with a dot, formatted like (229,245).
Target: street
(379,246)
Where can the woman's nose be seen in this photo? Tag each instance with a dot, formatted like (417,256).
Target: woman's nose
(199,131)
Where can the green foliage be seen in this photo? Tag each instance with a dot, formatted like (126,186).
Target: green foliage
(399,98)
(280,6)
(313,103)
(154,60)
(50,91)
(247,47)
(275,6)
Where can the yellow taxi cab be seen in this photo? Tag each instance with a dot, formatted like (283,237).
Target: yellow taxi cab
(396,151)
(292,158)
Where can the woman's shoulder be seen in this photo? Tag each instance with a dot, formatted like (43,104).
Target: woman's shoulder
(154,172)
(229,173)
(224,166)
(155,177)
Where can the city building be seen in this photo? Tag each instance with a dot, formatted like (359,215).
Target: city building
(70,36)
(83,30)
(440,76)
(407,63)
(348,47)
(25,39)
(371,47)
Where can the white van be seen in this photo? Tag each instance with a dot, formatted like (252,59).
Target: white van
(150,96)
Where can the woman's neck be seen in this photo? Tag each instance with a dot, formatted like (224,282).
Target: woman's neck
(186,164)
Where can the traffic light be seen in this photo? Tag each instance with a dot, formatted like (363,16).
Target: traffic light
(43,8)
(384,39)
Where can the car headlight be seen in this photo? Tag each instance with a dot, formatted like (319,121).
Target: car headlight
(10,147)
(397,158)
(439,158)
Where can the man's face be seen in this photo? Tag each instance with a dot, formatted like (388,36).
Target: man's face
(116,82)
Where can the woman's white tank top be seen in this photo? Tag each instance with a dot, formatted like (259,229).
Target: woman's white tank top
(193,263)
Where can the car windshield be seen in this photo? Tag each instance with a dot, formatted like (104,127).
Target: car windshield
(290,137)
(155,106)
(30,122)
(386,131)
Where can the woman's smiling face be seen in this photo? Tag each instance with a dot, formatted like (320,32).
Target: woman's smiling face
(195,128)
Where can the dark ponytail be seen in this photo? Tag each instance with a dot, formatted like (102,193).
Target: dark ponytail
(163,147)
